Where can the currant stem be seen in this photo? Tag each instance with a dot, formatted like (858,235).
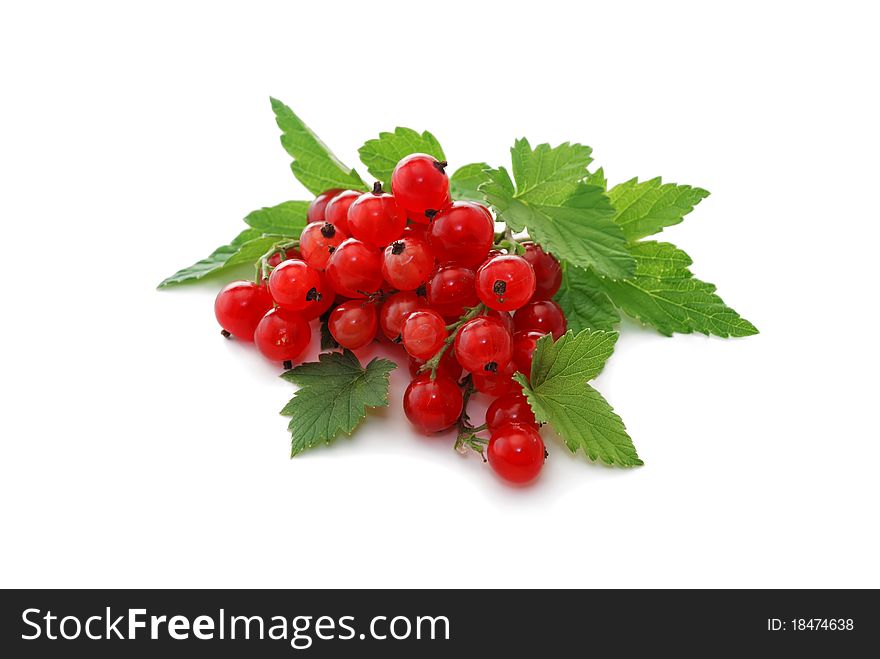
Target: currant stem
(262,265)
(431,364)
(467,434)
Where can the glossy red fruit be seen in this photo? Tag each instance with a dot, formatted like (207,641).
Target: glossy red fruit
(548,273)
(353,323)
(423,333)
(328,297)
(448,366)
(336,212)
(239,306)
(407,263)
(355,269)
(462,233)
(544,316)
(516,453)
(523,351)
(418,218)
(450,290)
(419,231)
(294,285)
(282,335)
(276,259)
(319,204)
(510,408)
(505,318)
(375,218)
(318,241)
(420,183)
(483,345)
(496,384)
(432,405)
(505,282)
(395,310)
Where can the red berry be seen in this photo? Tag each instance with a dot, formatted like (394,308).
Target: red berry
(423,333)
(407,263)
(450,290)
(544,316)
(375,218)
(355,269)
(282,335)
(418,218)
(277,258)
(483,345)
(505,318)
(319,204)
(419,231)
(505,282)
(419,183)
(328,297)
(295,286)
(395,310)
(496,384)
(318,241)
(448,366)
(510,408)
(523,350)
(240,306)
(336,212)
(432,405)
(516,453)
(353,324)
(462,233)
(548,273)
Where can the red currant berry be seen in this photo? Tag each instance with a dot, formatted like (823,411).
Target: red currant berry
(423,333)
(407,264)
(432,405)
(319,204)
(505,282)
(282,335)
(544,316)
(450,290)
(353,324)
(448,366)
(395,310)
(328,297)
(419,231)
(548,273)
(420,183)
(277,258)
(462,233)
(318,241)
(375,218)
(523,351)
(496,384)
(505,318)
(418,218)
(336,212)
(295,286)
(483,345)
(516,453)
(240,306)
(510,408)
(355,269)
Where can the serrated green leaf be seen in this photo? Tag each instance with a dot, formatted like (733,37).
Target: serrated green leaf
(287,218)
(546,175)
(584,303)
(313,163)
(382,154)
(665,295)
(464,182)
(246,247)
(597,178)
(645,208)
(558,394)
(333,398)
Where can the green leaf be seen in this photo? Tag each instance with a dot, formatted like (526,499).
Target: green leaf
(597,178)
(559,394)
(568,217)
(287,218)
(313,163)
(665,294)
(333,396)
(464,182)
(247,247)
(645,208)
(381,155)
(584,303)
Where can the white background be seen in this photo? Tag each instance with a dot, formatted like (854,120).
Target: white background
(141,449)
